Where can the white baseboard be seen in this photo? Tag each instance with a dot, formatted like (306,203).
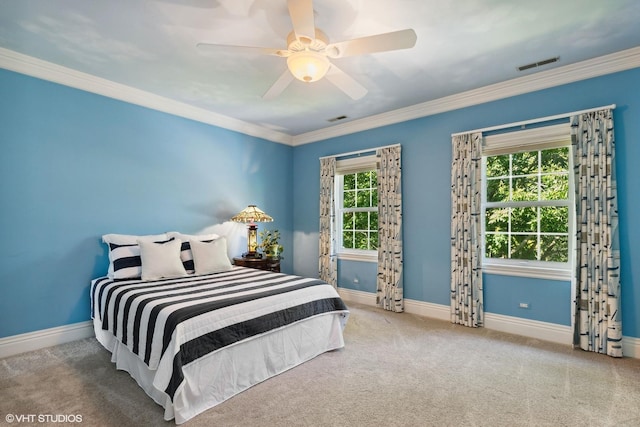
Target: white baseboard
(421,308)
(360,297)
(22,343)
(544,331)
(631,347)
(427,309)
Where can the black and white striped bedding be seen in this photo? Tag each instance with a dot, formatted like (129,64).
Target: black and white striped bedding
(177,321)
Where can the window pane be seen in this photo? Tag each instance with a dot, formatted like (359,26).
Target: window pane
(373,220)
(555,187)
(534,232)
(373,241)
(497,190)
(361,240)
(554,219)
(347,239)
(524,163)
(525,188)
(497,219)
(363,199)
(555,159)
(554,248)
(359,192)
(361,220)
(349,182)
(496,246)
(347,220)
(524,247)
(498,166)
(363,180)
(524,219)
(349,199)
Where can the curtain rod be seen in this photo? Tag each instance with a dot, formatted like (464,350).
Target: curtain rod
(352,153)
(541,119)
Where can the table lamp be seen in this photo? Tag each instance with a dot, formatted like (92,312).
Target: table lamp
(251,214)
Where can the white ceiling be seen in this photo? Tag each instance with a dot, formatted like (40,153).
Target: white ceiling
(461,45)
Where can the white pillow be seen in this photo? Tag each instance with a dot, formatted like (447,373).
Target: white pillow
(124,254)
(210,257)
(161,260)
(185,254)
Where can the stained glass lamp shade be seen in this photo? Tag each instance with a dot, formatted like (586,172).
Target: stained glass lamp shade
(252,214)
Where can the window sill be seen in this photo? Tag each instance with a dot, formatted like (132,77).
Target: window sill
(364,257)
(528,271)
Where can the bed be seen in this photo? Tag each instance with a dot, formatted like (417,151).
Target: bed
(191,342)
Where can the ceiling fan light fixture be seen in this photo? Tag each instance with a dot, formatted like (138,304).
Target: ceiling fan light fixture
(308,66)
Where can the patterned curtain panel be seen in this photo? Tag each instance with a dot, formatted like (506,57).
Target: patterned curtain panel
(466,240)
(327,263)
(389,281)
(598,324)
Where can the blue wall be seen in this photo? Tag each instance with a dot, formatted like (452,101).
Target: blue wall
(75,165)
(426,159)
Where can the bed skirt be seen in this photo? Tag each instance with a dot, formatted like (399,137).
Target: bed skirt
(221,375)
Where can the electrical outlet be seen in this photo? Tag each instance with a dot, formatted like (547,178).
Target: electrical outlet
(524,305)
(356,280)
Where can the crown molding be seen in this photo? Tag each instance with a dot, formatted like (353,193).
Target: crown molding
(34,67)
(607,64)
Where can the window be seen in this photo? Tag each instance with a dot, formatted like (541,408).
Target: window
(357,208)
(528,203)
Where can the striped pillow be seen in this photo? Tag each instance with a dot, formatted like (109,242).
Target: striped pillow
(124,254)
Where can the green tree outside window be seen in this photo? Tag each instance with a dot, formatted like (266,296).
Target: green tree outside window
(527,212)
(360,210)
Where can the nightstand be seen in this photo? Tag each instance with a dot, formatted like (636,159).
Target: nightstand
(259,263)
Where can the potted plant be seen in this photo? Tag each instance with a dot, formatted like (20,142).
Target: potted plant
(269,243)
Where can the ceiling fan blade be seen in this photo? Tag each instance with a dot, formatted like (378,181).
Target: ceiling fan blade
(212,47)
(301,12)
(403,39)
(281,84)
(345,83)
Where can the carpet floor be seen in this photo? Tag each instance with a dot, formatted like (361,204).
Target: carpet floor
(395,369)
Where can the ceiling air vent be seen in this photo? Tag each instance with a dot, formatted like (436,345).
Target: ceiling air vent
(539,63)
(337,119)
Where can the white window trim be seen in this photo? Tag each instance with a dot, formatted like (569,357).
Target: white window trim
(348,166)
(530,140)
(524,269)
(358,255)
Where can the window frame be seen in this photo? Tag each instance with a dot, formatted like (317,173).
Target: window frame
(345,167)
(536,139)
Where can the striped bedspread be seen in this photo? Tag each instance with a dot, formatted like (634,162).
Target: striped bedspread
(172,322)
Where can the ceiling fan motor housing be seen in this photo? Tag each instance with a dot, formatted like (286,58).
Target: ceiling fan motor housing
(318,44)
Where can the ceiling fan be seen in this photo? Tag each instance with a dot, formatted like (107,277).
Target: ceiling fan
(308,51)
